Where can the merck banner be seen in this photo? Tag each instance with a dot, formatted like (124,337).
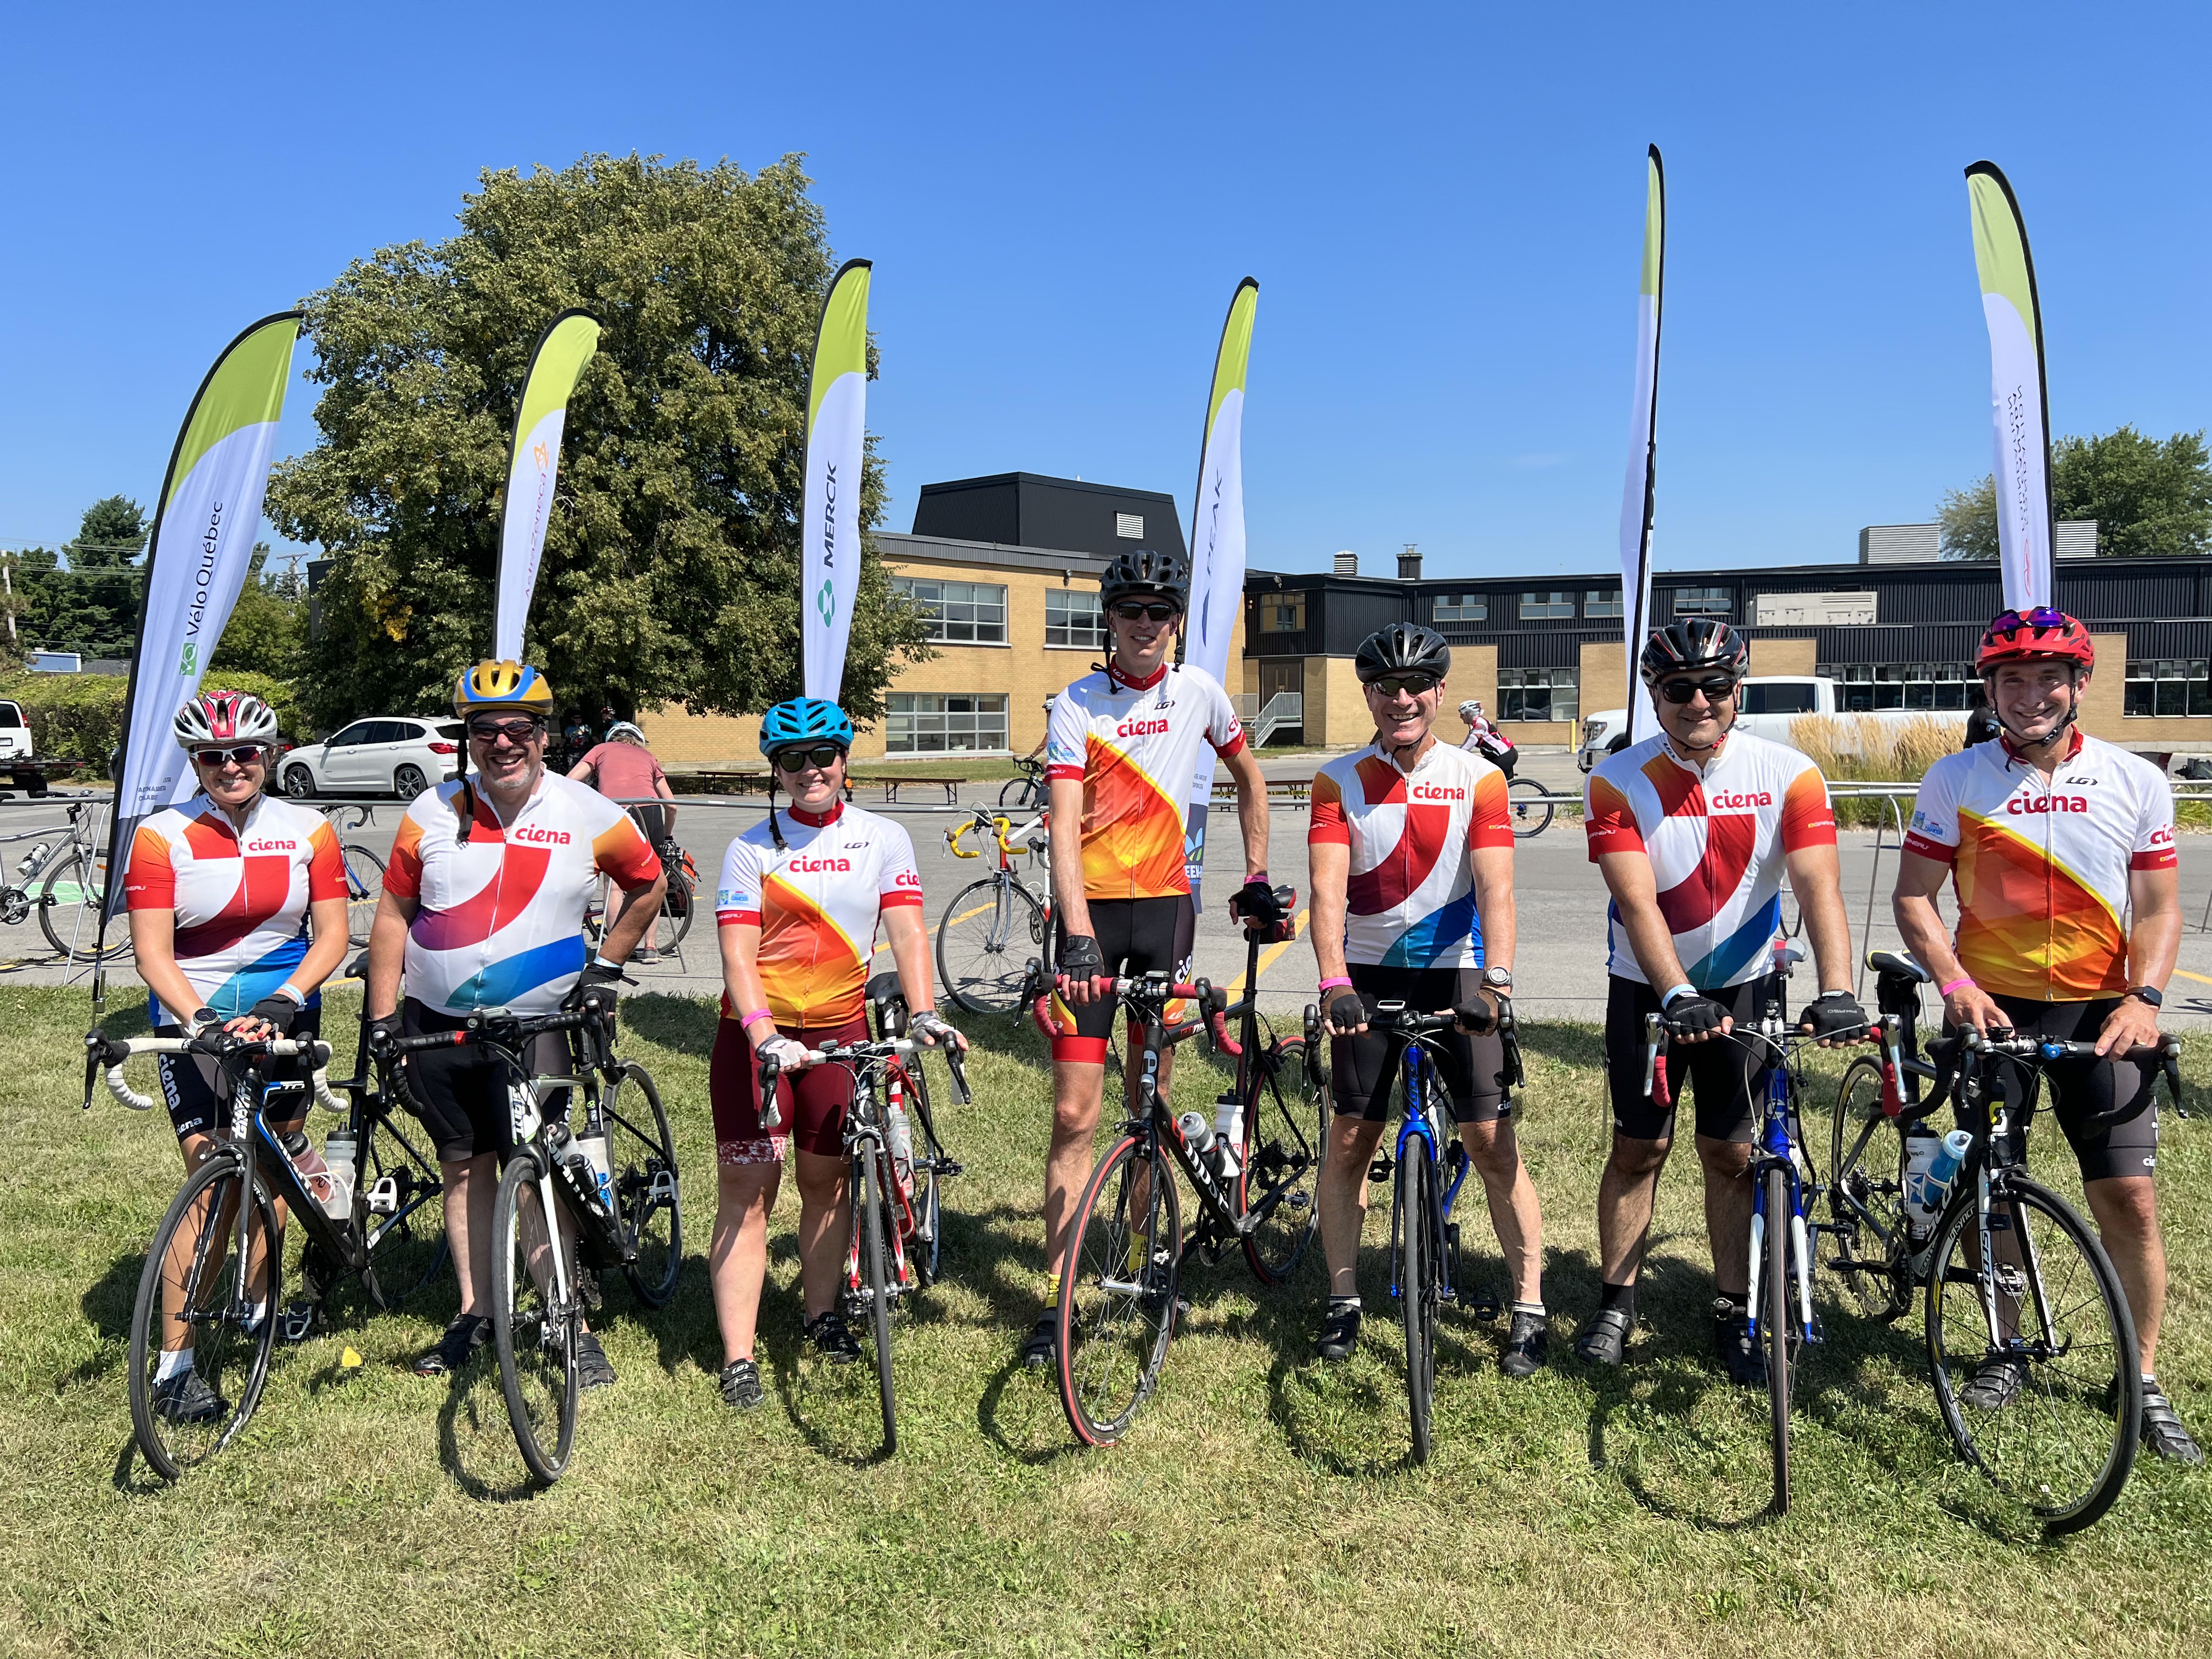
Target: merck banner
(2019,405)
(533,462)
(829,521)
(1639,488)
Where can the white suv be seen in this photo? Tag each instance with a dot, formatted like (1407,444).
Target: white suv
(400,758)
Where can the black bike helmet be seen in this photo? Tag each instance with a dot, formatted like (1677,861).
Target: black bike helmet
(1697,644)
(1140,572)
(1402,648)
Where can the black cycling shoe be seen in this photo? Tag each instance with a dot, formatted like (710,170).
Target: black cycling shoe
(1997,1385)
(468,1333)
(1041,1351)
(1746,1365)
(1526,1339)
(831,1337)
(593,1369)
(1340,1334)
(1603,1339)
(2163,1430)
(741,1385)
(186,1397)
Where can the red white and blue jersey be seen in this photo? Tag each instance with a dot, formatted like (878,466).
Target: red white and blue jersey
(499,922)
(1718,841)
(240,897)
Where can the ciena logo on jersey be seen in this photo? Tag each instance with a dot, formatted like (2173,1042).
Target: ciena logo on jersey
(1725,802)
(2020,804)
(258,845)
(538,836)
(822,866)
(1141,729)
(1437,792)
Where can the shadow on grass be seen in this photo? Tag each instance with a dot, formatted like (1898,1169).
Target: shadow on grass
(106,1305)
(474,1399)
(685,1024)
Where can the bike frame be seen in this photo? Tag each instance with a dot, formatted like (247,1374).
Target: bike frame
(1147,1000)
(1781,1146)
(1417,1122)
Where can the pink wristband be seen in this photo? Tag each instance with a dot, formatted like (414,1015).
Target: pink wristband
(1328,985)
(1946,990)
(746,1020)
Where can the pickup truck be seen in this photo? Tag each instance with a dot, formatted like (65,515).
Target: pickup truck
(1770,702)
(14,733)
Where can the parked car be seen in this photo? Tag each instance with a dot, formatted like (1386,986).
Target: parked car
(400,758)
(1770,702)
(15,732)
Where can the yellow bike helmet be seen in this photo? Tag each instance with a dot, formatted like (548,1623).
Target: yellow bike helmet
(503,684)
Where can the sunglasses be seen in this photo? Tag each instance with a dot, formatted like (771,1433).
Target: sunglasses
(822,757)
(1412,685)
(1719,689)
(2011,621)
(515,732)
(1129,611)
(246,755)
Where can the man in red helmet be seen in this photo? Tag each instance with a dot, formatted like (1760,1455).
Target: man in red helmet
(2055,839)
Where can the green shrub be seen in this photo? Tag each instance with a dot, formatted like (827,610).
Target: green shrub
(79,717)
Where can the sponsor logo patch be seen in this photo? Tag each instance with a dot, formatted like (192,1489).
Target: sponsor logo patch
(536,834)
(1727,801)
(2019,805)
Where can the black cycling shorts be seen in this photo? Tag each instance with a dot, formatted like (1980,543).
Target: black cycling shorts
(1135,936)
(460,1093)
(2080,1088)
(1473,1066)
(1729,1078)
(190,1082)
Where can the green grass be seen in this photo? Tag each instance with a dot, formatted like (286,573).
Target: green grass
(1262,1505)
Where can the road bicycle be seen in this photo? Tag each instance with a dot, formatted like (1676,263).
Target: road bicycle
(2031,1345)
(1275,1115)
(894,1183)
(364,870)
(679,903)
(611,1186)
(65,881)
(1027,793)
(1529,806)
(996,924)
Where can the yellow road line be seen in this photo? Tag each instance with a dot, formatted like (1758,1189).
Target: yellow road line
(2199,978)
(1268,957)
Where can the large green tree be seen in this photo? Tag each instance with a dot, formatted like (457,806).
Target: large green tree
(672,566)
(267,625)
(87,598)
(2147,496)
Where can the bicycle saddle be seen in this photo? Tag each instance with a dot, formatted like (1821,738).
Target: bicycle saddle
(1892,962)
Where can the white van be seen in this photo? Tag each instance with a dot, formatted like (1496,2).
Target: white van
(1770,702)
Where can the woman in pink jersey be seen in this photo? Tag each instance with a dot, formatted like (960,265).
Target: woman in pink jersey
(624,769)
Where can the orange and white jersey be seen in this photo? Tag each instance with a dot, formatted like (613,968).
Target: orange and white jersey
(2042,868)
(1134,747)
(1409,897)
(240,897)
(1718,842)
(816,900)
(499,922)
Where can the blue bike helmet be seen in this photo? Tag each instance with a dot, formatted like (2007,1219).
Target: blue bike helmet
(804,719)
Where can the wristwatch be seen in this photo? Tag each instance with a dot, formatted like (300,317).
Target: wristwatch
(2148,994)
(1497,979)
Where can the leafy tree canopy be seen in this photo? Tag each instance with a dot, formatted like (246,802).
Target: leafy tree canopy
(86,598)
(671,562)
(2147,496)
(267,625)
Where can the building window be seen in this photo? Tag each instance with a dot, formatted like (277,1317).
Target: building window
(1463,607)
(960,613)
(1073,616)
(943,723)
(1703,602)
(1130,526)
(1601,602)
(1283,613)
(2168,685)
(1540,693)
(1536,607)
(1865,686)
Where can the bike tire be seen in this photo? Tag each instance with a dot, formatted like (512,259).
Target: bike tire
(1118,1277)
(1531,811)
(648,1191)
(1866,1198)
(984,940)
(869,1193)
(925,1250)
(536,1340)
(2063,1447)
(1418,1256)
(225,1352)
(364,874)
(71,924)
(1021,794)
(1774,1327)
(407,1243)
(1285,1132)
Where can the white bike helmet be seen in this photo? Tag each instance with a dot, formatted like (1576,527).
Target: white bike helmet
(1469,709)
(214,717)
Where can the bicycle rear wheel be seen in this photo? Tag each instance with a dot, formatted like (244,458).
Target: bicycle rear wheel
(868,1198)
(984,942)
(1021,794)
(1525,799)
(1866,1197)
(1117,1289)
(69,910)
(925,1247)
(1285,1127)
(191,1275)
(1774,1332)
(648,1198)
(364,874)
(400,1204)
(1418,1254)
(2048,1402)
(533,1325)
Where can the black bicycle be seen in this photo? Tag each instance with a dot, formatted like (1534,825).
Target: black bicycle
(1027,793)
(1276,1117)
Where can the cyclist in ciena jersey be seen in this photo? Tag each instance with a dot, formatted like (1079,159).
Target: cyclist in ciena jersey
(2070,919)
(1122,750)
(483,907)
(238,914)
(797,911)
(1692,829)
(1412,859)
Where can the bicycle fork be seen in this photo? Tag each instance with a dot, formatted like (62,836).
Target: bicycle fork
(524,1120)
(1775,1152)
(1420,1125)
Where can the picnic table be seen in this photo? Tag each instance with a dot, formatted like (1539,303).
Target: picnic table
(757,782)
(1292,790)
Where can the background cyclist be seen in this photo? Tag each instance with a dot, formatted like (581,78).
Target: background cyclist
(1691,829)
(1411,861)
(1122,749)
(624,769)
(1484,739)
(796,909)
(483,907)
(2054,839)
(238,914)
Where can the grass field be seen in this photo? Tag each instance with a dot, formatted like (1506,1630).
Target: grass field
(1262,1505)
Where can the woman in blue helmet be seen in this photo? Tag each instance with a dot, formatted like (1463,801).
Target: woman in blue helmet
(798,907)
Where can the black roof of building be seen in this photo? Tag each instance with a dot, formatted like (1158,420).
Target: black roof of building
(1027,509)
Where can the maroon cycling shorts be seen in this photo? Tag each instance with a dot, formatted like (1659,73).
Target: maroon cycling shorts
(813,1102)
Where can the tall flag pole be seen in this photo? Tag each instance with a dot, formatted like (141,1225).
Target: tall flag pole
(1217,541)
(534,460)
(829,523)
(2020,402)
(203,544)
(1639,488)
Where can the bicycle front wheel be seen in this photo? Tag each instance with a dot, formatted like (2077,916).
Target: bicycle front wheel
(1527,801)
(532,1322)
(364,874)
(190,1315)
(1021,794)
(1774,1332)
(1118,1277)
(2033,1356)
(642,1157)
(868,1196)
(69,910)
(984,942)
(1866,1197)
(1285,1127)
(1418,1255)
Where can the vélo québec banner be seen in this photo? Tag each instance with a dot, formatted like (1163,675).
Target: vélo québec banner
(2019,405)
(1639,489)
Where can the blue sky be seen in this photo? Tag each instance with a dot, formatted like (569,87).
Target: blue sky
(1443,207)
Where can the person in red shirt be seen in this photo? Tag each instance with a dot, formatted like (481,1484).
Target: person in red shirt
(624,769)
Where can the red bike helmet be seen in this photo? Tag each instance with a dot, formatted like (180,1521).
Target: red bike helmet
(2041,634)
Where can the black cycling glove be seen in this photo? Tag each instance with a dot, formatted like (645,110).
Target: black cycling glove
(1256,901)
(1693,1014)
(1477,1017)
(1346,1013)
(1080,957)
(599,979)
(279,1011)
(1835,1014)
(382,1034)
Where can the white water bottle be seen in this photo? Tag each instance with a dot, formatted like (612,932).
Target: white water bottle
(594,1149)
(900,1135)
(1228,1131)
(1197,1133)
(338,1154)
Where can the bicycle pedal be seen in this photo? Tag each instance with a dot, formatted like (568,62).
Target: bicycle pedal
(1485,1307)
(297,1322)
(947,1167)
(1381,1170)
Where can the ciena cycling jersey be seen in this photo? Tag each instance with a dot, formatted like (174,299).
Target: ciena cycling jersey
(1716,843)
(240,897)
(817,903)
(1409,898)
(1134,747)
(500,922)
(2042,868)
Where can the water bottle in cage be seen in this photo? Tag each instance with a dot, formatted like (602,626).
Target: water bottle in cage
(338,1157)
(899,1132)
(314,1174)
(1228,1133)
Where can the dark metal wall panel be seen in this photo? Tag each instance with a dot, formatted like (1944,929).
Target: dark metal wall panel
(2169,639)
(1027,509)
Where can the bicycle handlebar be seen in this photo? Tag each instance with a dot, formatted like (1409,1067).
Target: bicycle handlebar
(1210,997)
(1974,1041)
(107,1055)
(490,1028)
